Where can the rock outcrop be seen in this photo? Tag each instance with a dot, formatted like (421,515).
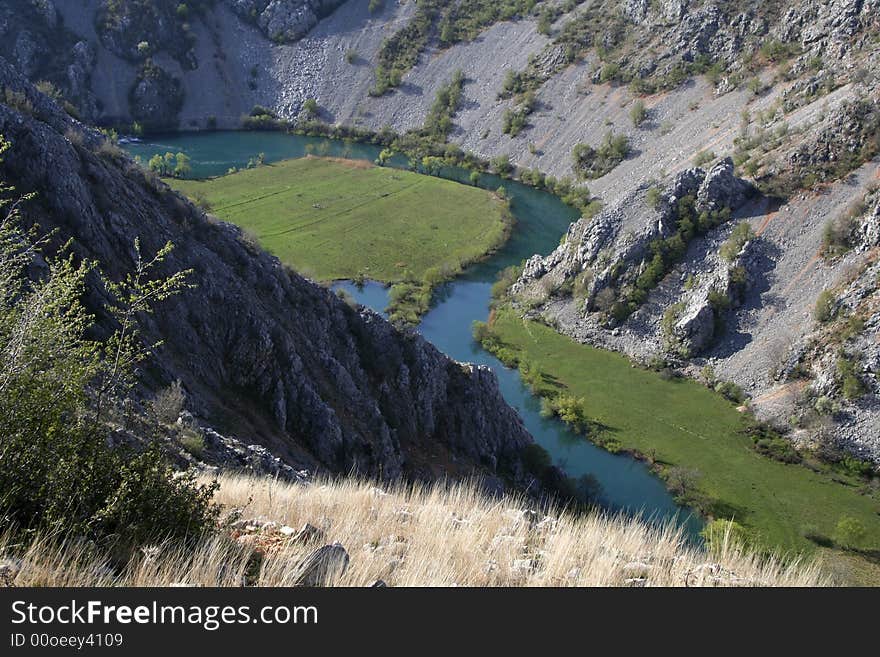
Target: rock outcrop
(614,246)
(137,29)
(156,98)
(284,21)
(262,353)
(34,38)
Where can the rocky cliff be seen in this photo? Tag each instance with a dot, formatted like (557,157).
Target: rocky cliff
(261,352)
(789,91)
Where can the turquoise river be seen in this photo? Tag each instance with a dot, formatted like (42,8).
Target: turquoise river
(625,484)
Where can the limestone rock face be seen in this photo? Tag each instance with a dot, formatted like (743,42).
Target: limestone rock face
(263,353)
(722,188)
(156,98)
(284,20)
(599,243)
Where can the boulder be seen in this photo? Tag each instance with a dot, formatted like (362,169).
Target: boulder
(322,566)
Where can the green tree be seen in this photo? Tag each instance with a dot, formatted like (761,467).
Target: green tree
(850,532)
(638,113)
(310,107)
(182,167)
(169,161)
(57,390)
(826,307)
(157,164)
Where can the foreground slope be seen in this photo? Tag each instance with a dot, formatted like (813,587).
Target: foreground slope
(260,351)
(404,536)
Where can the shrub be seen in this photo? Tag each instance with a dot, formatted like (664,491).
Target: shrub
(850,384)
(438,123)
(17,100)
(545,23)
(850,532)
(731,391)
(168,404)
(703,158)
(721,533)
(591,163)
(638,113)
(824,406)
(506,278)
(310,107)
(653,197)
(742,234)
(682,482)
(48,89)
(837,235)
(605,299)
(513,121)
(826,307)
(57,389)
(501,165)
(769,442)
(193,442)
(570,410)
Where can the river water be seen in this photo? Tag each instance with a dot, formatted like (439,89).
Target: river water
(626,484)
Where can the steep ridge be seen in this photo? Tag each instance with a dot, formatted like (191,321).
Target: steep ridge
(261,352)
(789,90)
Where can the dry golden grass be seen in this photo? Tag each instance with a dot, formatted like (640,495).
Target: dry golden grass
(414,536)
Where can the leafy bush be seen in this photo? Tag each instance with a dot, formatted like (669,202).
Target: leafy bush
(594,163)
(310,107)
(168,404)
(501,165)
(837,235)
(638,113)
(570,410)
(742,234)
(57,387)
(850,532)
(506,278)
(682,482)
(193,442)
(769,442)
(826,307)
(850,384)
(703,158)
(731,391)
(438,123)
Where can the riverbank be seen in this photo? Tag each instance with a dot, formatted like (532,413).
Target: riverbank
(694,437)
(336,218)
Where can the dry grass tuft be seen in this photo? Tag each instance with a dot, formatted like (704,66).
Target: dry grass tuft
(411,536)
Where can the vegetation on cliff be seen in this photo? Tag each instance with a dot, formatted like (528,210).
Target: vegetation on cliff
(62,396)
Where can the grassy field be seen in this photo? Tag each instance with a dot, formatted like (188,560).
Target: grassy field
(446,537)
(682,423)
(335,219)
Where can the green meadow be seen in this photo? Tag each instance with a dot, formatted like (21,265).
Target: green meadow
(342,219)
(680,423)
